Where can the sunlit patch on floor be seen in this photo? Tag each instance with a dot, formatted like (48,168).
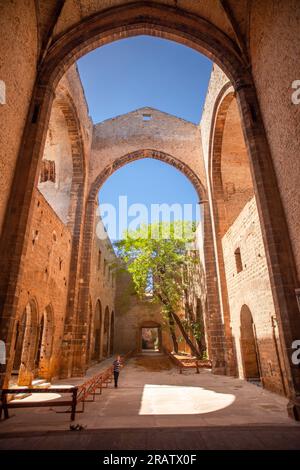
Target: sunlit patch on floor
(39,397)
(177,400)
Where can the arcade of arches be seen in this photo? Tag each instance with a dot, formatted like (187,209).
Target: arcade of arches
(62,303)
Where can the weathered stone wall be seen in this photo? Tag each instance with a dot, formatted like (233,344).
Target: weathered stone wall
(73,12)
(102,285)
(251,287)
(18,59)
(237,231)
(117,137)
(274,42)
(46,274)
(58,150)
(131,314)
(217,81)
(67,144)
(237,184)
(270,31)
(70,85)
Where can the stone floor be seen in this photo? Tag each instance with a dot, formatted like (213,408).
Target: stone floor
(170,409)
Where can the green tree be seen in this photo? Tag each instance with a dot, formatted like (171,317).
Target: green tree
(158,257)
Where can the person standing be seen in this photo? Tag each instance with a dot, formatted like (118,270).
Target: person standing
(117,366)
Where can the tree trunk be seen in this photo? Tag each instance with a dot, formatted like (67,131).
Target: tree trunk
(193,348)
(201,348)
(188,306)
(172,331)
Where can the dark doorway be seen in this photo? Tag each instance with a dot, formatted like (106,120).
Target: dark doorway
(150,339)
(249,348)
(97,332)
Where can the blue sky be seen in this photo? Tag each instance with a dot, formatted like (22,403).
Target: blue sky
(148,182)
(146,71)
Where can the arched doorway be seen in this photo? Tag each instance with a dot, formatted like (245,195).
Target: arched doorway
(112,333)
(105,349)
(26,344)
(215,343)
(249,347)
(45,344)
(97,332)
(20,333)
(149,337)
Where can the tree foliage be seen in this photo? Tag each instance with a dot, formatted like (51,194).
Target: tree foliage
(160,258)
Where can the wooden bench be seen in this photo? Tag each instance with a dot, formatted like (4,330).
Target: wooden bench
(188,362)
(5,404)
(79,394)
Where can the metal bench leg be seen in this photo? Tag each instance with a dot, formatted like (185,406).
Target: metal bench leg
(4,406)
(74,403)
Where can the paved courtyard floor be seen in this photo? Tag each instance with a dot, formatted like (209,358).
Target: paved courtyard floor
(153,397)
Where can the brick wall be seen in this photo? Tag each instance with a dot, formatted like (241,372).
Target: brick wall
(102,289)
(58,150)
(274,41)
(18,59)
(251,287)
(46,272)
(117,137)
(131,314)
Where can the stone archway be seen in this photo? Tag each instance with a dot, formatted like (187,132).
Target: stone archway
(148,327)
(223,101)
(192,30)
(214,324)
(76,212)
(180,165)
(242,267)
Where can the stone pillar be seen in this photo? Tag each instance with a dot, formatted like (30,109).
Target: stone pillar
(80,330)
(214,321)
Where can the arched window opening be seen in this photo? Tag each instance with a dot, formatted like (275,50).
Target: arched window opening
(238,260)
